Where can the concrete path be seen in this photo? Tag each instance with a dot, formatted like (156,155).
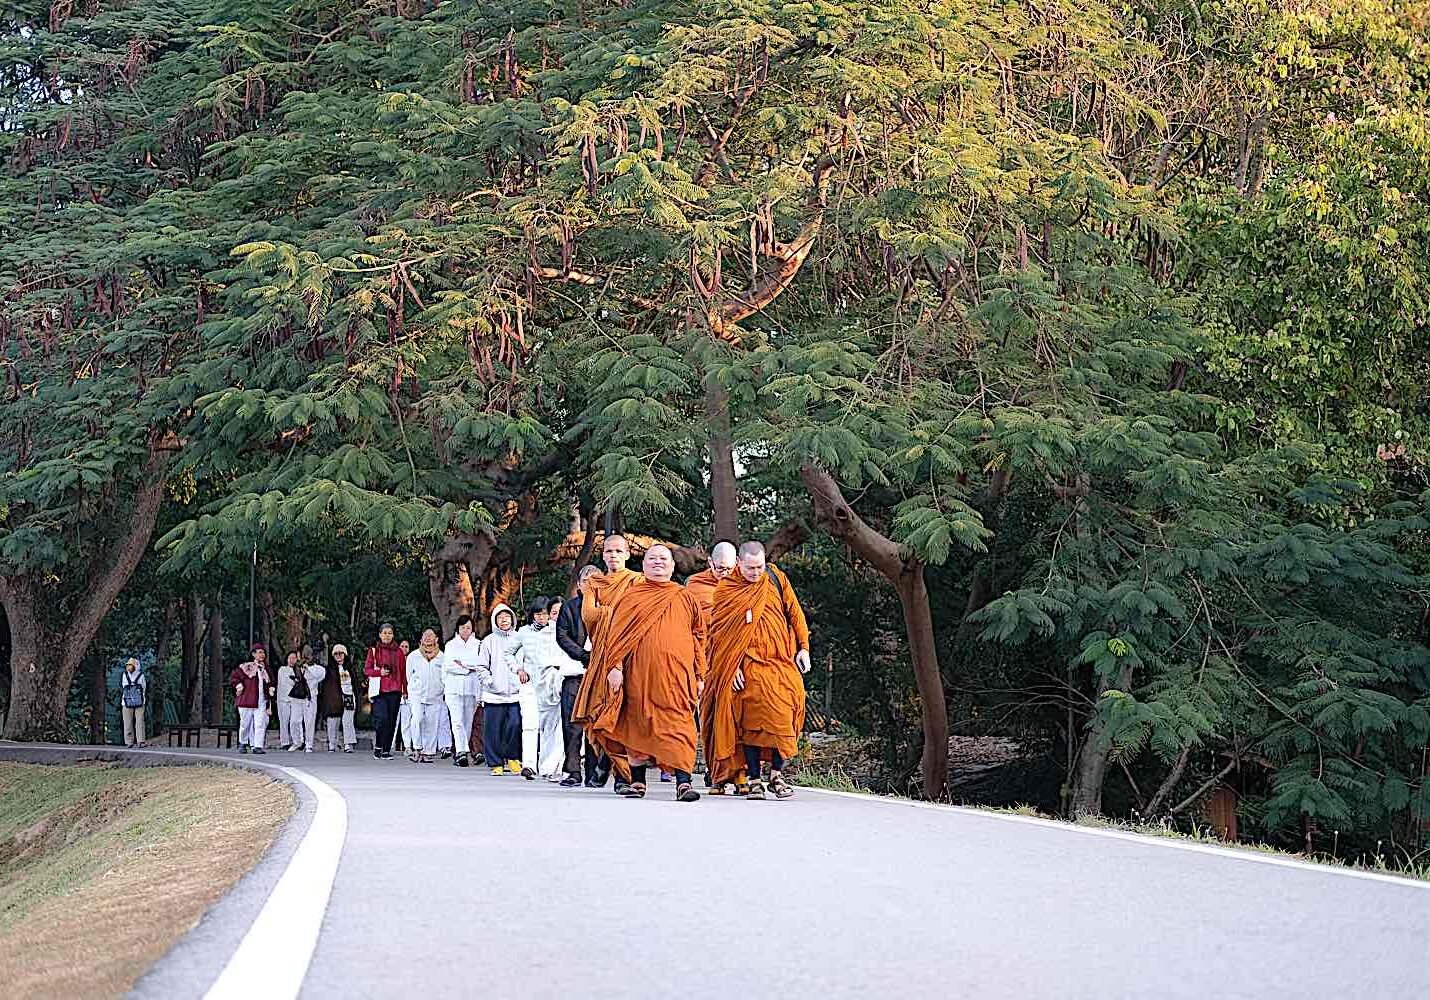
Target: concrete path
(454,883)
(457,883)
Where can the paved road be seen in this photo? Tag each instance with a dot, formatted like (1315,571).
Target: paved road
(456,883)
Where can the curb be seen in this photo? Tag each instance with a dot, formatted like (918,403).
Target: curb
(261,934)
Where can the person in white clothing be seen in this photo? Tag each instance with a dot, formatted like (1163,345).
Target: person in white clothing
(303,722)
(542,749)
(287,677)
(462,685)
(425,698)
(501,693)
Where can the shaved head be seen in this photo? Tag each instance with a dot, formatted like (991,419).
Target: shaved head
(614,552)
(722,560)
(752,561)
(658,564)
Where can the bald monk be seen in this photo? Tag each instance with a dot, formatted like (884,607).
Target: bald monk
(599,594)
(647,678)
(702,584)
(754,696)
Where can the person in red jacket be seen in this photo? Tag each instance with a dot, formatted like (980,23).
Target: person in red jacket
(252,687)
(386,662)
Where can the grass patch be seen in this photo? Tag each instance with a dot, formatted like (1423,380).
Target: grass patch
(103,868)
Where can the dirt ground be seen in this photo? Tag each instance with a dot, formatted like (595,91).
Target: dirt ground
(103,868)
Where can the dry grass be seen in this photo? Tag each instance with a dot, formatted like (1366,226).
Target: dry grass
(103,868)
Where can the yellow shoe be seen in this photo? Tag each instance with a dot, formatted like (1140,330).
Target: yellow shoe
(498,770)
(514,766)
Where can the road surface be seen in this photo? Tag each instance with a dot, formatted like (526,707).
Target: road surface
(455,883)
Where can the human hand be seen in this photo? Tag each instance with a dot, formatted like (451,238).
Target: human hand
(615,678)
(739,684)
(386,672)
(801,660)
(523,676)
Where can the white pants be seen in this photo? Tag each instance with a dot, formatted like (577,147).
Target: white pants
(404,725)
(530,724)
(349,730)
(461,709)
(303,723)
(431,726)
(285,722)
(253,726)
(133,725)
(553,746)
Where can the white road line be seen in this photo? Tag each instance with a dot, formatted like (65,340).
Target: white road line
(273,956)
(1171,843)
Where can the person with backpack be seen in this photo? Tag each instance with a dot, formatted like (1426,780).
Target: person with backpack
(133,693)
(303,722)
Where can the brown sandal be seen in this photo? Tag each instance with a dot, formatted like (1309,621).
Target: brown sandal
(685,793)
(757,790)
(635,790)
(780,788)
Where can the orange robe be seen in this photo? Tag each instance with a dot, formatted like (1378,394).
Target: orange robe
(656,634)
(758,627)
(598,597)
(702,588)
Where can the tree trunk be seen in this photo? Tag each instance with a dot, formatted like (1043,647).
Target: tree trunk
(41,666)
(293,628)
(724,495)
(1086,799)
(98,698)
(190,682)
(583,555)
(906,573)
(216,683)
(454,572)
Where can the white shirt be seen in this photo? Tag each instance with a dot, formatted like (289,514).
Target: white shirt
(459,667)
(424,678)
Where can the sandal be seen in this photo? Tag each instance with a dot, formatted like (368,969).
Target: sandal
(635,790)
(757,790)
(684,793)
(781,789)
(716,790)
(742,789)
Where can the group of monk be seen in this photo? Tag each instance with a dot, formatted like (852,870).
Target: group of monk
(718,661)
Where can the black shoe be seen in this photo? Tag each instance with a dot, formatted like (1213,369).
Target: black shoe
(685,793)
(445,754)
(622,788)
(528,774)
(259,750)
(377,755)
(243,748)
(286,747)
(462,760)
(592,783)
(570,781)
(478,760)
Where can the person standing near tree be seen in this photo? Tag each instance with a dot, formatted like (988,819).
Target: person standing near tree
(386,662)
(304,692)
(133,696)
(337,700)
(288,736)
(501,693)
(540,657)
(754,697)
(462,686)
(252,687)
(404,710)
(571,637)
(648,666)
(425,696)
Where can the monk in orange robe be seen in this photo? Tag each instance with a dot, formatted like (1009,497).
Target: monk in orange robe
(702,584)
(754,696)
(648,668)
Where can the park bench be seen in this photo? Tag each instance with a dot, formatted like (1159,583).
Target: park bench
(196,736)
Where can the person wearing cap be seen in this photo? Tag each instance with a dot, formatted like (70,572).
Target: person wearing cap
(252,687)
(388,665)
(133,695)
(337,701)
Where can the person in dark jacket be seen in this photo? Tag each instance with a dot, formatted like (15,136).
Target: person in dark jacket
(571,637)
(252,688)
(337,701)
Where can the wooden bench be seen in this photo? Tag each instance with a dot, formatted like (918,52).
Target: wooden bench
(193,736)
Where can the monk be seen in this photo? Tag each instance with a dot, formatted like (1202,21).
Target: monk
(648,671)
(754,696)
(702,584)
(599,594)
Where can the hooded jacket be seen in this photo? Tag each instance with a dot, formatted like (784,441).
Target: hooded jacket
(497,663)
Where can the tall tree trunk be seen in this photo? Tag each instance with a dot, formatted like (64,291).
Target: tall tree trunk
(724,494)
(906,572)
(191,683)
(1092,760)
(42,667)
(583,555)
(453,574)
(216,683)
(294,625)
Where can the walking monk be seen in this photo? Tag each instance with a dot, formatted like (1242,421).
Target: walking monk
(598,597)
(644,679)
(702,584)
(754,695)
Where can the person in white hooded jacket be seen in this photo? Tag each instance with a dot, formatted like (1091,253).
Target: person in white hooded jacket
(462,685)
(430,727)
(501,693)
(542,749)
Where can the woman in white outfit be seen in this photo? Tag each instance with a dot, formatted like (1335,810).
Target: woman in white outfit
(542,748)
(425,697)
(288,739)
(304,720)
(462,685)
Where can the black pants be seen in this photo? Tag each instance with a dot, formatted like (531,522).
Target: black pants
(638,775)
(384,713)
(501,733)
(596,763)
(752,762)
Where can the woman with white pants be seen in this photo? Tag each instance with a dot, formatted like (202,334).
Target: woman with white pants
(426,697)
(543,750)
(337,700)
(303,722)
(461,685)
(290,736)
(252,687)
